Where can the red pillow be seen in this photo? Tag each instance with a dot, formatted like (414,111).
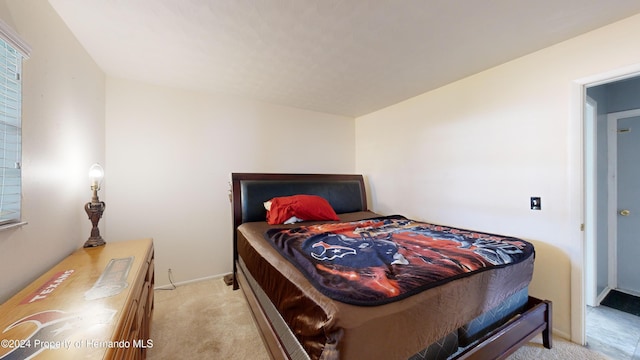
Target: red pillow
(304,207)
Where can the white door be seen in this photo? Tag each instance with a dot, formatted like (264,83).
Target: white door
(628,203)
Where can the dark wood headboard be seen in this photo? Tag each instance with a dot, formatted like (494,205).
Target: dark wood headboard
(345,193)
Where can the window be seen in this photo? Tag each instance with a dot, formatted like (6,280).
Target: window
(10,133)
(12,51)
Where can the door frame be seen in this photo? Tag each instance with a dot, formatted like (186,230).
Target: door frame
(577,194)
(590,202)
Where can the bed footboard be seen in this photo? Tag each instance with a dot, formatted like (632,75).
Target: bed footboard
(505,340)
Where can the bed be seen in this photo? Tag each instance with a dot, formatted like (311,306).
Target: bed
(487,315)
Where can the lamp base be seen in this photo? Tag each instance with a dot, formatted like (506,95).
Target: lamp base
(93,242)
(94,210)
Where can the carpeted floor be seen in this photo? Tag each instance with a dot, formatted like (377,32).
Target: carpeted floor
(208,320)
(203,320)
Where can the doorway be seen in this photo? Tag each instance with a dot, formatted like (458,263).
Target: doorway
(608,108)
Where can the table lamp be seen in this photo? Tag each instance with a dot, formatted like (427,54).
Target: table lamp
(95,207)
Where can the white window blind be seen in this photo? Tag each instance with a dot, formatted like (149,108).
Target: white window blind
(10,133)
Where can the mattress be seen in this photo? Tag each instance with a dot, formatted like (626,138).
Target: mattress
(489,320)
(439,350)
(330,329)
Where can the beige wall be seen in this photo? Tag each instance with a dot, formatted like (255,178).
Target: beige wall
(63,134)
(170,154)
(472,153)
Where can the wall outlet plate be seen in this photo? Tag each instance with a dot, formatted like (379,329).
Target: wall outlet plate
(536,203)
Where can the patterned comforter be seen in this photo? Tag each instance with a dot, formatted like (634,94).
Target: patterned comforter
(380,260)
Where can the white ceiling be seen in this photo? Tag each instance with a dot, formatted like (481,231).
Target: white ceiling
(348,57)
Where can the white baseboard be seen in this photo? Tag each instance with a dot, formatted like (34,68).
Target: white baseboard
(169,286)
(602,295)
(561,334)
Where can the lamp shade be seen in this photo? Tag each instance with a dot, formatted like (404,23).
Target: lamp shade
(96,174)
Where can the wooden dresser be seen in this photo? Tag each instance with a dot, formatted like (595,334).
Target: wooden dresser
(95,304)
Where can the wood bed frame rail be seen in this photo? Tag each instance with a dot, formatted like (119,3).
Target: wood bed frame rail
(508,338)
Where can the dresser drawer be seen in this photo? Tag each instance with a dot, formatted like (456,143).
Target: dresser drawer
(105,296)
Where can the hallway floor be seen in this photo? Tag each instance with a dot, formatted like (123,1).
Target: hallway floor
(613,333)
